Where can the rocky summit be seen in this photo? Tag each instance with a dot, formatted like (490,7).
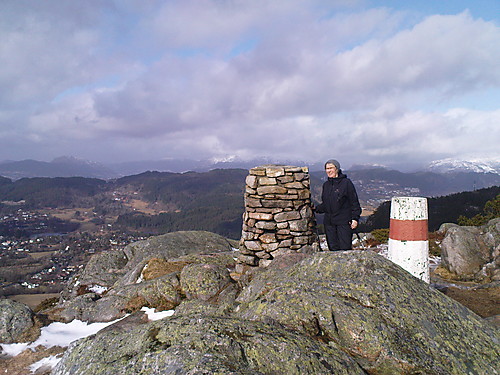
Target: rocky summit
(351,312)
(118,282)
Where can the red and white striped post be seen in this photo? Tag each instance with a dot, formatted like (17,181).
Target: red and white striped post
(408,235)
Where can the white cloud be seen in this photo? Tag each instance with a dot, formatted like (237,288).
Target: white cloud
(47,48)
(207,78)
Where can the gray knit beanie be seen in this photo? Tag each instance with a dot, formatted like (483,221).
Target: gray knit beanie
(334,162)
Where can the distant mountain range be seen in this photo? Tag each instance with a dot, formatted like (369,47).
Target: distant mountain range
(72,167)
(185,165)
(60,167)
(68,166)
(160,202)
(474,165)
(375,183)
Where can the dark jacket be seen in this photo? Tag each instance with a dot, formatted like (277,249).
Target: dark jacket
(340,202)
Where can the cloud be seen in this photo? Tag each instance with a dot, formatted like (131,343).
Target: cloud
(213,78)
(47,48)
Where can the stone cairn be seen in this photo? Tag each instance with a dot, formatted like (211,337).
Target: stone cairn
(278,217)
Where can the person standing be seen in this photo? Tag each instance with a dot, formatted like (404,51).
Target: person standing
(341,207)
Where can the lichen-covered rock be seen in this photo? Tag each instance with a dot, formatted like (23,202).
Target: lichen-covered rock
(391,322)
(121,275)
(16,319)
(103,269)
(199,344)
(124,266)
(204,281)
(209,289)
(222,304)
(162,292)
(90,307)
(174,245)
(324,313)
(177,246)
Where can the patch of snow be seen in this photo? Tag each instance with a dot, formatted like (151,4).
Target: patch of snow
(140,279)
(152,315)
(383,250)
(322,243)
(48,362)
(224,159)
(58,334)
(98,289)
(13,349)
(434,261)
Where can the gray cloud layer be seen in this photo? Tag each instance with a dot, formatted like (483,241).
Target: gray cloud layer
(129,80)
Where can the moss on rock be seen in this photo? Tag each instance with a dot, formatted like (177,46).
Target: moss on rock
(377,312)
(199,344)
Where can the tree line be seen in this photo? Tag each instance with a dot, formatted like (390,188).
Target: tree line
(455,208)
(210,201)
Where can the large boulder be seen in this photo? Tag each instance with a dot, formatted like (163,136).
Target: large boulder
(162,292)
(125,266)
(91,308)
(472,252)
(491,236)
(204,281)
(200,344)
(347,312)
(16,319)
(145,273)
(102,271)
(174,245)
(208,288)
(388,320)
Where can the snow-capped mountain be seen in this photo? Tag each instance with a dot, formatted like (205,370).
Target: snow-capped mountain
(76,161)
(360,167)
(471,165)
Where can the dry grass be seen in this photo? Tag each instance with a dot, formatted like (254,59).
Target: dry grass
(157,267)
(19,365)
(484,302)
(145,207)
(69,213)
(33,300)
(40,254)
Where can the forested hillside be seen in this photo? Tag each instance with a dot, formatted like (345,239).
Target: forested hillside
(52,192)
(159,202)
(429,183)
(445,209)
(210,201)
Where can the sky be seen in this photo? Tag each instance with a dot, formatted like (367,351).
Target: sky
(396,83)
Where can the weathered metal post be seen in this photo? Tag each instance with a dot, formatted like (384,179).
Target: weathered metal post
(408,235)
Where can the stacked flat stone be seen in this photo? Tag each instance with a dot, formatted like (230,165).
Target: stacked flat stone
(278,217)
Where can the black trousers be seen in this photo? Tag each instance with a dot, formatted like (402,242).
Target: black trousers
(339,237)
